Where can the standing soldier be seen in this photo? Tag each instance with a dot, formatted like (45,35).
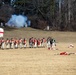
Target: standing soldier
(53,44)
(12,43)
(43,41)
(49,43)
(20,42)
(7,43)
(24,43)
(31,42)
(2,43)
(35,42)
(16,43)
(39,42)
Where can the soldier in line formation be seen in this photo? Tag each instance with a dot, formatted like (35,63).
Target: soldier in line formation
(51,43)
(15,43)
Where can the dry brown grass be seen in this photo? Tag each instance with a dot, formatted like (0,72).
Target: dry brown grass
(39,61)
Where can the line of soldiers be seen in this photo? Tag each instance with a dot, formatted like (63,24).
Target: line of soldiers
(33,42)
(12,43)
(15,43)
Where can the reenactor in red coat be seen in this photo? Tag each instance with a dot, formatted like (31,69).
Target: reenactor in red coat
(20,43)
(16,42)
(24,43)
(39,42)
(7,43)
(35,42)
(12,43)
(2,43)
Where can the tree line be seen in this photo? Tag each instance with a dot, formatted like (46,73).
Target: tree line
(57,14)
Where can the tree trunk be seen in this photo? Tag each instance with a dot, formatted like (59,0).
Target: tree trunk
(59,13)
(69,10)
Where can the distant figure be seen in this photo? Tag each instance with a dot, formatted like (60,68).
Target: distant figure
(2,43)
(2,24)
(24,43)
(31,42)
(53,44)
(35,42)
(26,25)
(39,43)
(20,42)
(7,43)
(49,43)
(11,43)
(16,43)
(48,28)
(43,42)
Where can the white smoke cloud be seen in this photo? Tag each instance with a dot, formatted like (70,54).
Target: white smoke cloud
(18,21)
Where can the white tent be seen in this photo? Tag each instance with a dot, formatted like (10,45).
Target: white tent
(1,32)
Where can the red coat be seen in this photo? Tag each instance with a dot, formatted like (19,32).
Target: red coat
(63,53)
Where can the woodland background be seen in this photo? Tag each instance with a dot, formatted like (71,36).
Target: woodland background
(57,14)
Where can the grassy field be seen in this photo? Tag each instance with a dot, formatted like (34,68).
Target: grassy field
(39,61)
